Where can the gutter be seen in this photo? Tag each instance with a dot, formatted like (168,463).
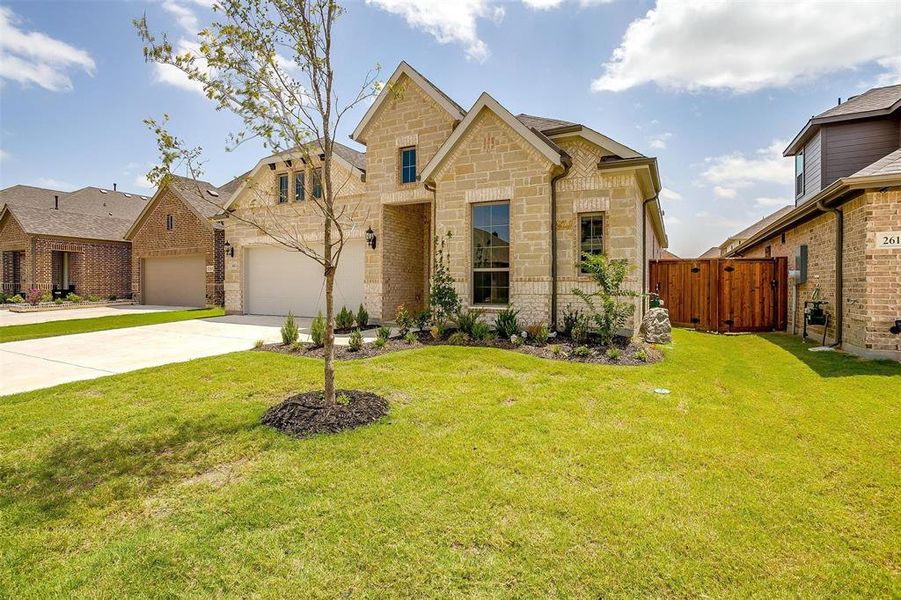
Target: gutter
(567,165)
(839,281)
(433,226)
(644,251)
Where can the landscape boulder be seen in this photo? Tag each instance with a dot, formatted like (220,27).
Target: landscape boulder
(655,327)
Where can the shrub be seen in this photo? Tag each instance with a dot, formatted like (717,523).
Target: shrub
(73,298)
(259,344)
(380,342)
(437,331)
(613,353)
(458,338)
(362,317)
(582,351)
(317,330)
(571,316)
(384,332)
(15,299)
(356,341)
(506,323)
(422,319)
(58,301)
(443,298)
(47,297)
(640,355)
(481,331)
(290,332)
(34,296)
(295,346)
(111,298)
(580,330)
(516,340)
(410,337)
(466,319)
(3,298)
(344,319)
(555,349)
(608,312)
(403,319)
(93,298)
(538,333)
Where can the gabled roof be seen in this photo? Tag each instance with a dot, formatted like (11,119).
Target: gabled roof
(761,224)
(890,164)
(104,202)
(538,140)
(712,252)
(667,255)
(202,197)
(875,102)
(29,195)
(442,99)
(542,124)
(61,223)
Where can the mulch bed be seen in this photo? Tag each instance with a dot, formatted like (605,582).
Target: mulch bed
(565,349)
(307,414)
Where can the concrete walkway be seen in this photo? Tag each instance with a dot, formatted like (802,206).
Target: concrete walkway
(34,364)
(27,318)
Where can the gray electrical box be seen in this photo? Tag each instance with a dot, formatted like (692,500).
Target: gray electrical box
(801,263)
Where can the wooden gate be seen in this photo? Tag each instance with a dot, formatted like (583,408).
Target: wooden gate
(745,294)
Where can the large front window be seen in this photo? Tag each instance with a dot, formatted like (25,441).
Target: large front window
(799,174)
(408,165)
(491,253)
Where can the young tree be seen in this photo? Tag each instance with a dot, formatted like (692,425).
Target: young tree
(269,62)
(605,306)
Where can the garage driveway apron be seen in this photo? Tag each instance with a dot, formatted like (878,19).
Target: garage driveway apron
(34,364)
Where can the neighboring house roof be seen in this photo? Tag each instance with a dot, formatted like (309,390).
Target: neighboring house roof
(61,223)
(104,202)
(442,99)
(876,102)
(712,252)
(354,157)
(28,195)
(885,172)
(667,255)
(759,225)
(202,197)
(227,189)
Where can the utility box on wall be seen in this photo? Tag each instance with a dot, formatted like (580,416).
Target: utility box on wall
(801,264)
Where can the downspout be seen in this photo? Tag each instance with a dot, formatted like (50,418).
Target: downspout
(567,165)
(433,229)
(644,252)
(839,282)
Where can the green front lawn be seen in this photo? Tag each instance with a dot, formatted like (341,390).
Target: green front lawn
(14,333)
(769,471)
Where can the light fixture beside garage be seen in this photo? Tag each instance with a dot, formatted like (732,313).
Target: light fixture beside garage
(229,249)
(370,238)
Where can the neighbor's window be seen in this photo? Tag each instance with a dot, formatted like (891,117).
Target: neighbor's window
(491,253)
(298,187)
(591,236)
(170,223)
(408,165)
(799,174)
(282,188)
(317,183)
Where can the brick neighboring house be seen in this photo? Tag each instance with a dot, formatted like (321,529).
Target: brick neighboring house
(177,251)
(67,242)
(846,222)
(521,195)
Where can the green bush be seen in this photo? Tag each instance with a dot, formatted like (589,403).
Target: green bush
(380,342)
(259,344)
(111,298)
(422,319)
(538,333)
(517,340)
(410,337)
(607,311)
(344,319)
(458,338)
(506,323)
(74,298)
(356,341)
(317,330)
(640,355)
(290,332)
(481,331)
(58,301)
(613,353)
(15,299)
(47,297)
(3,298)
(555,349)
(383,332)
(581,329)
(571,316)
(93,298)
(403,319)
(443,299)
(362,317)
(582,351)
(466,319)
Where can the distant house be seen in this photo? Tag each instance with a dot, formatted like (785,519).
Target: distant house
(64,243)
(734,241)
(712,252)
(667,255)
(843,236)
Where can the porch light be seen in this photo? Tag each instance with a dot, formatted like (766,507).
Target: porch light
(370,238)
(229,249)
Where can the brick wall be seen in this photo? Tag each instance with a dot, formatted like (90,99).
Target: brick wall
(14,239)
(406,254)
(95,267)
(883,273)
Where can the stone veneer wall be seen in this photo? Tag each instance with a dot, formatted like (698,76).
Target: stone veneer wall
(406,258)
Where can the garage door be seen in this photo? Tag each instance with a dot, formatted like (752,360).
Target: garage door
(279,281)
(175,281)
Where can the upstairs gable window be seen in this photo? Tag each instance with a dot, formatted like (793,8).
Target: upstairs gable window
(799,174)
(317,183)
(408,165)
(282,188)
(170,223)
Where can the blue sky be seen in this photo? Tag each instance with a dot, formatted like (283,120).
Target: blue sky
(713,90)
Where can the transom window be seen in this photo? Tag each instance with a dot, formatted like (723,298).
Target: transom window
(799,174)
(170,222)
(591,236)
(282,188)
(298,187)
(408,165)
(491,253)
(317,183)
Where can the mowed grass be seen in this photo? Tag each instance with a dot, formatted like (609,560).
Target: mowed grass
(769,471)
(14,333)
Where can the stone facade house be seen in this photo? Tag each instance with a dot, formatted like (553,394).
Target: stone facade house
(520,196)
(177,251)
(843,236)
(67,242)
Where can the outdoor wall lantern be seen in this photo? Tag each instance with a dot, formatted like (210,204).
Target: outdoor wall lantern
(370,238)
(229,249)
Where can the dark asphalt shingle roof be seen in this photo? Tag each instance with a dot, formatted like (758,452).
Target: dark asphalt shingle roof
(28,195)
(881,98)
(61,223)
(890,164)
(542,123)
(762,223)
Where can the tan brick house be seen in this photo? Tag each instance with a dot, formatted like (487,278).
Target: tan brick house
(843,237)
(521,196)
(177,251)
(67,242)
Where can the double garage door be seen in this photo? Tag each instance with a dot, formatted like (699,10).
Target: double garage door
(175,281)
(278,281)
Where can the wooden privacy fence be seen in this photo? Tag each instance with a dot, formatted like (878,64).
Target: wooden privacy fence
(744,294)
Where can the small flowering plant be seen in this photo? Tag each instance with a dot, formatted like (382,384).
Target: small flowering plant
(34,296)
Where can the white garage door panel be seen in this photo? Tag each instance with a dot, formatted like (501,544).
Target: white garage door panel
(279,281)
(175,281)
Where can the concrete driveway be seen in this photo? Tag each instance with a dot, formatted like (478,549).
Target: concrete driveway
(27,318)
(34,364)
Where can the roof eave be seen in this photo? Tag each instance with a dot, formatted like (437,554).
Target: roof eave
(813,124)
(649,184)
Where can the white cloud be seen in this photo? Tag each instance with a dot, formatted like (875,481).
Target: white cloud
(141,182)
(36,58)
(768,201)
(736,170)
(175,77)
(184,16)
(658,141)
(55,184)
(747,46)
(671,220)
(542,4)
(4,155)
(448,22)
(724,192)
(893,73)
(670,195)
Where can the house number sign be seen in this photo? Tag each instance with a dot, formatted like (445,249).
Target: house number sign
(888,239)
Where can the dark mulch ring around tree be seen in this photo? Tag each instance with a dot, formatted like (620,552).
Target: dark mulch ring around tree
(308,414)
(622,351)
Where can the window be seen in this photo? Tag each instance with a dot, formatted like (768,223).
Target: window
(491,253)
(298,187)
(282,188)
(170,223)
(799,174)
(591,236)
(317,183)
(408,165)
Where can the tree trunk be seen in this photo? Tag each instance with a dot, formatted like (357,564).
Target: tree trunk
(329,342)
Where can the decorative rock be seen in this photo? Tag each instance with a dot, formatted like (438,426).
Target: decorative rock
(655,327)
